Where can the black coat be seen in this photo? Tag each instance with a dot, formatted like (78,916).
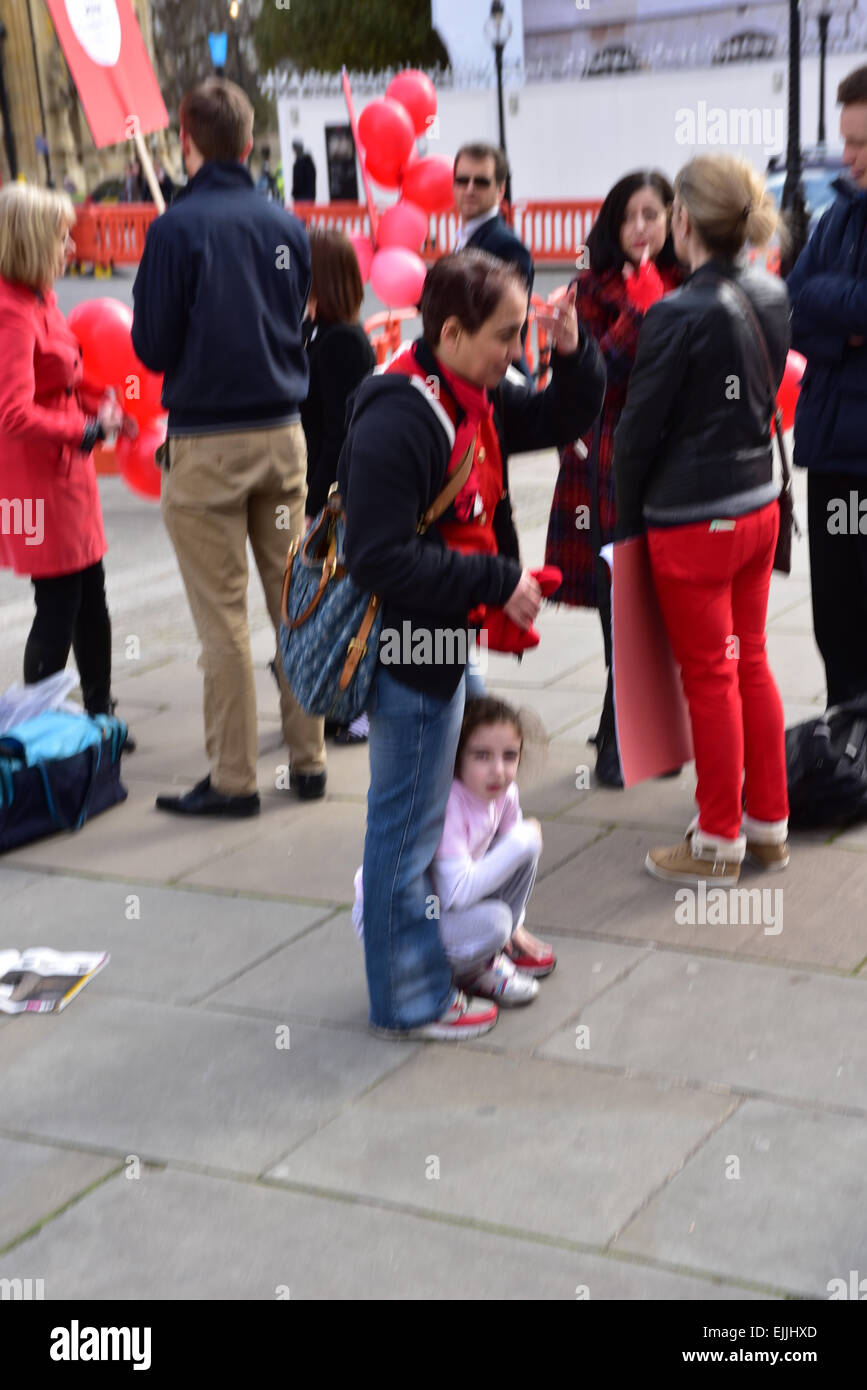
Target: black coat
(394,464)
(304,179)
(496,238)
(340,358)
(693,441)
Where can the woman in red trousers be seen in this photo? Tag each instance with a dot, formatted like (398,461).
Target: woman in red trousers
(630,263)
(694,468)
(51,521)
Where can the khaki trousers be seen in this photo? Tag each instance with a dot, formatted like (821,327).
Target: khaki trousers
(219,490)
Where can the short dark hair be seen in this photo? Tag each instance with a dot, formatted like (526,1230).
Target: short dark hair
(218,117)
(467,285)
(853,88)
(603,239)
(486,709)
(336,279)
(479,150)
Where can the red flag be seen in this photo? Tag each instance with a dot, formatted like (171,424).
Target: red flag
(108,60)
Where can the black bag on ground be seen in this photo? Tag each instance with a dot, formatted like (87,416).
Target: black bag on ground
(826,767)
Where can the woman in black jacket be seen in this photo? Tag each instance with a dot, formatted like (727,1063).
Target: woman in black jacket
(693,465)
(339,353)
(340,358)
(411,428)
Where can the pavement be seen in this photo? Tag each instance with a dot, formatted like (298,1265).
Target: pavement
(681,1114)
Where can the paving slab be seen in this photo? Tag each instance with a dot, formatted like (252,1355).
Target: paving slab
(310,851)
(168,944)
(37,1179)
(795,1216)
(607,891)
(729,1023)
(659,803)
(177,1235)
(796,665)
(551,1150)
(184,1083)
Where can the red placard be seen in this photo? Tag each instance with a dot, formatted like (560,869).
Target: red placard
(108,60)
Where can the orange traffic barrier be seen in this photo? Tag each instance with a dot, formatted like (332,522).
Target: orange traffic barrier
(111,235)
(384,332)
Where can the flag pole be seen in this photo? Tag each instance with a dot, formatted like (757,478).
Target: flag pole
(147,166)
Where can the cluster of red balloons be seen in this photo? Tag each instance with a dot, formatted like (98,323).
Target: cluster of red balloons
(103,328)
(387,128)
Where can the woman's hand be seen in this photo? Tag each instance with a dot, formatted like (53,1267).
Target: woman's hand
(525,601)
(110,416)
(561,321)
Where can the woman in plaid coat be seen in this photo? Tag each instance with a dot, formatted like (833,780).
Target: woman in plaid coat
(631,265)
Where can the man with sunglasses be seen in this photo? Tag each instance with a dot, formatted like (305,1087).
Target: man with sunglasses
(480,184)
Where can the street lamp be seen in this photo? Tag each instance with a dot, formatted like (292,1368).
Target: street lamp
(234,11)
(793,201)
(498,31)
(824,21)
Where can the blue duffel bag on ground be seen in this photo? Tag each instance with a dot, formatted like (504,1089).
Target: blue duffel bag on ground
(56,771)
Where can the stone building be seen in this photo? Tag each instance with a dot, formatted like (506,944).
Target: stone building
(50,105)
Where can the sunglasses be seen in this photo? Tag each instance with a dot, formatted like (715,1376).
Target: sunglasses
(481,181)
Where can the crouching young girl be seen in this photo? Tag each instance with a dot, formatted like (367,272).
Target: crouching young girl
(485,866)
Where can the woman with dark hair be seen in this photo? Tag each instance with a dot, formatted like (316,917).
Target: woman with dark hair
(340,357)
(339,354)
(694,467)
(628,263)
(414,437)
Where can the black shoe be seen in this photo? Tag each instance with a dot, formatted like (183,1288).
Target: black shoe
(203,800)
(310,786)
(129,743)
(672,772)
(608,765)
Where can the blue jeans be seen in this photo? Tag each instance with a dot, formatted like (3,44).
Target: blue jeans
(413,742)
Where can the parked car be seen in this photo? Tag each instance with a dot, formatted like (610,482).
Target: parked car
(820,169)
(615,57)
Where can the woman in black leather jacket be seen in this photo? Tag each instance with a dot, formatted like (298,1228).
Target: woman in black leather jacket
(694,467)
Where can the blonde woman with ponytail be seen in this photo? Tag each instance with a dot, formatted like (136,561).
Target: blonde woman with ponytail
(694,469)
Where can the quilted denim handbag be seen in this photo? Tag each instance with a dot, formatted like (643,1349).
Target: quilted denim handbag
(329,634)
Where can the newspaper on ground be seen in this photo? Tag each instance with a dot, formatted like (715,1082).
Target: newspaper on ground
(42,981)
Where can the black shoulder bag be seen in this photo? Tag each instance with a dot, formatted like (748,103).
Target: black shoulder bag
(788,520)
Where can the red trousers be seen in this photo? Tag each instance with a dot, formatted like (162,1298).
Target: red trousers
(713,590)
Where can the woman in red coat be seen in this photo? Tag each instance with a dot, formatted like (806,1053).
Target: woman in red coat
(50,514)
(631,265)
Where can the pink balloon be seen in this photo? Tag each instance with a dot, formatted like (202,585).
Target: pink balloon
(364,253)
(428,182)
(387,133)
(397,276)
(403,225)
(415,91)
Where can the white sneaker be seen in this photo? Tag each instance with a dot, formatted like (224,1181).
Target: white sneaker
(501,981)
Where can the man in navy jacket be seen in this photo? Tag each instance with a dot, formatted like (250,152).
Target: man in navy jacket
(219,300)
(828,290)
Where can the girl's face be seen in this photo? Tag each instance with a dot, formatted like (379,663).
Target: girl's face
(489,761)
(644,225)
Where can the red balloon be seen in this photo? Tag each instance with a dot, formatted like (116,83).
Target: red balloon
(404,224)
(428,182)
(790,387)
(386,131)
(364,253)
(415,91)
(136,462)
(141,390)
(102,327)
(397,276)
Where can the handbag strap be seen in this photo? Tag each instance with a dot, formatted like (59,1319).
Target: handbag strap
(748,312)
(454,483)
